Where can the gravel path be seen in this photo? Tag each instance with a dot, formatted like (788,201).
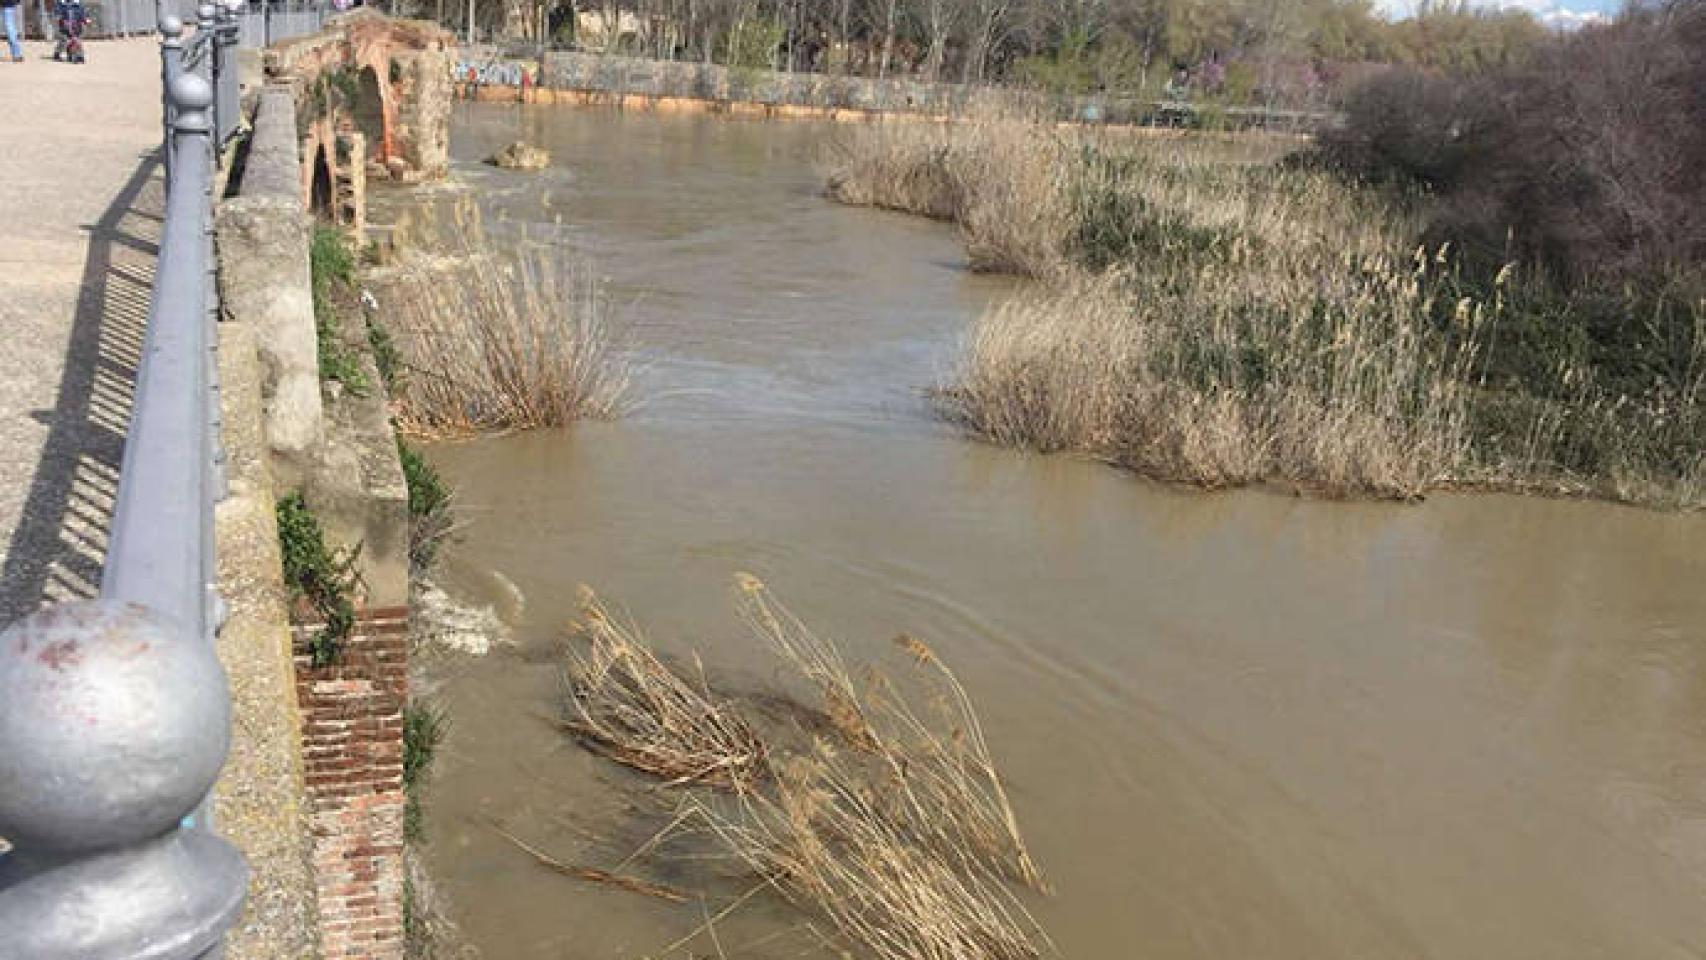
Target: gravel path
(80,201)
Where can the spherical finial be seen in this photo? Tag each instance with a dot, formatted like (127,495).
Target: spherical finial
(189,91)
(171,27)
(235,7)
(113,726)
(206,12)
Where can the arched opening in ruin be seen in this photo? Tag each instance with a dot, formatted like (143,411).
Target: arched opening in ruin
(321,193)
(368,112)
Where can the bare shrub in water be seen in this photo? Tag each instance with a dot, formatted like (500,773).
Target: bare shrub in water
(828,843)
(500,340)
(894,828)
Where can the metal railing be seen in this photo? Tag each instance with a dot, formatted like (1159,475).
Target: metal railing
(114,713)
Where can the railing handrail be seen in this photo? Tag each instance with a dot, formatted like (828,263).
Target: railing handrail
(114,715)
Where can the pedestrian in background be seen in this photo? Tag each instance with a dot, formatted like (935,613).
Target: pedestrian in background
(9,12)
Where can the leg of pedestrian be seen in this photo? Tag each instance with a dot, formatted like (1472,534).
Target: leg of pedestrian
(10,15)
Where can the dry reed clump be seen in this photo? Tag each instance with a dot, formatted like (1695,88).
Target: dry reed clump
(826,842)
(894,826)
(1339,391)
(498,340)
(1027,195)
(1004,191)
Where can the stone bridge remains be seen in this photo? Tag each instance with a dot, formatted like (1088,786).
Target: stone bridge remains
(373,101)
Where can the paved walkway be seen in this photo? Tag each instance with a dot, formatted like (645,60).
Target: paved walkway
(80,204)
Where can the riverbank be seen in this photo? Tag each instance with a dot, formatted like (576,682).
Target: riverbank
(1213,313)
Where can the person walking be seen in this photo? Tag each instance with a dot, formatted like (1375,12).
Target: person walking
(9,12)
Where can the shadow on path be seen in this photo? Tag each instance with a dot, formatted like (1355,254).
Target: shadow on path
(59,545)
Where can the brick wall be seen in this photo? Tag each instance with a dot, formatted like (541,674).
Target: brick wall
(352,750)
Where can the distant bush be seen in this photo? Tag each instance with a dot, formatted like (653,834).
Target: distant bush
(1401,125)
(1588,163)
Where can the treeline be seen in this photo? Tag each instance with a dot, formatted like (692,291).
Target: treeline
(1236,50)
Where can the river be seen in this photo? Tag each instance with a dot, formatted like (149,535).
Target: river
(1234,725)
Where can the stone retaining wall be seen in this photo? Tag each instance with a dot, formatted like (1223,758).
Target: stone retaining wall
(679,86)
(336,731)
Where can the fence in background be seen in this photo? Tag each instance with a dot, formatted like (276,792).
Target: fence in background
(261,24)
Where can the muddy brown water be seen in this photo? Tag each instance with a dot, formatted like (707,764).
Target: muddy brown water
(1234,725)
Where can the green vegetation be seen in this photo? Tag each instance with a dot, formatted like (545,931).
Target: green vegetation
(317,576)
(331,92)
(385,355)
(424,728)
(332,278)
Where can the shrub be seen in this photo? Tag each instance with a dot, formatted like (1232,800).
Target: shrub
(1583,163)
(1402,126)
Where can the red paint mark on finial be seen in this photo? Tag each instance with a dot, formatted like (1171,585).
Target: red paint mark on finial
(60,655)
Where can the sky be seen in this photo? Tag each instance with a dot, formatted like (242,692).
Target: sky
(1560,13)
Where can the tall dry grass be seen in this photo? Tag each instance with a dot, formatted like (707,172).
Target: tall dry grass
(1212,315)
(496,336)
(1020,189)
(1207,381)
(887,820)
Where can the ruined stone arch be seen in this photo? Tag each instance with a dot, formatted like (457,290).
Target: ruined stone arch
(374,111)
(322,188)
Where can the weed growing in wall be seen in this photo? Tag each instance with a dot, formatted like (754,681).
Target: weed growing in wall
(332,272)
(315,574)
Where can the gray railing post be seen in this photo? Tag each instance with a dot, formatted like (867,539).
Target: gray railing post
(114,716)
(171,63)
(225,70)
(206,15)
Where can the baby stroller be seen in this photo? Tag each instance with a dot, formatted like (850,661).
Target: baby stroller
(72,19)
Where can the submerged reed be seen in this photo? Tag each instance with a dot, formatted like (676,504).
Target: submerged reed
(625,703)
(889,822)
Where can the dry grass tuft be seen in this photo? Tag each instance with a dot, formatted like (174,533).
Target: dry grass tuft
(893,825)
(498,341)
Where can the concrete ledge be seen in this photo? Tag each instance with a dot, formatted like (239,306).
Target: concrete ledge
(263,237)
(259,801)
